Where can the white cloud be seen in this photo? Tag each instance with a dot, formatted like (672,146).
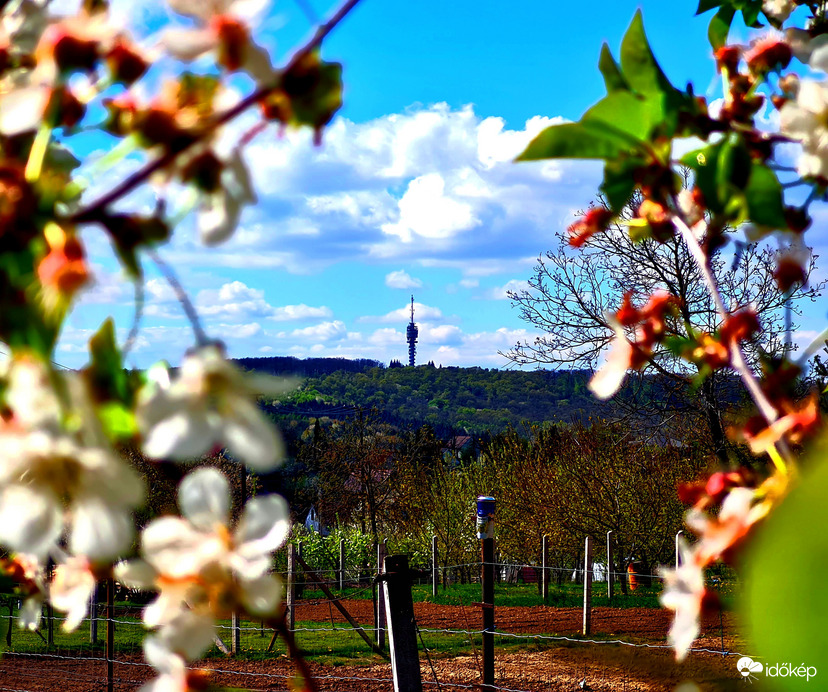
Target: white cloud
(403,314)
(401,279)
(502,292)
(325,331)
(432,185)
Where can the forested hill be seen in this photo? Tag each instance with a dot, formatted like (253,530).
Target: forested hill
(450,398)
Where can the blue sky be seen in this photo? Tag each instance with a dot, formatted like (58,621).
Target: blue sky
(412,191)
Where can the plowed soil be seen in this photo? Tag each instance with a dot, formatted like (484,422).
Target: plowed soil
(548,665)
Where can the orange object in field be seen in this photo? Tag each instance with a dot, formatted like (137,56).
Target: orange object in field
(632,576)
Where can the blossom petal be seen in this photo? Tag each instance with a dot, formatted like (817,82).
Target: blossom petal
(21,110)
(71,589)
(188,44)
(136,574)
(30,612)
(261,596)
(252,437)
(99,530)
(30,522)
(608,378)
(264,525)
(174,547)
(189,634)
(204,498)
(183,436)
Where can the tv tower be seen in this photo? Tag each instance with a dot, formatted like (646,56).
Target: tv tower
(411,334)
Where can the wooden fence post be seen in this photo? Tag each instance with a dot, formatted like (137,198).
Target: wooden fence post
(588,586)
(110,634)
(341,564)
(487,588)
(402,632)
(435,570)
(291,587)
(382,551)
(545,569)
(609,566)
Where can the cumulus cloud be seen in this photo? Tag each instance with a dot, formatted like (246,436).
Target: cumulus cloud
(502,292)
(403,314)
(401,279)
(430,185)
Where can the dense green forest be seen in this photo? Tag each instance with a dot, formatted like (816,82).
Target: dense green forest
(450,399)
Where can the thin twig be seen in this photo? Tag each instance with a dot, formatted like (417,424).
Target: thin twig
(765,407)
(181,295)
(136,320)
(295,654)
(94,210)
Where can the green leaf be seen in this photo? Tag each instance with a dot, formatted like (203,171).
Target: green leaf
(734,166)
(118,420)
(628,112)
(750,15)
(705,163)
(638,62)
(105,371)
(619,182)
(613,79)
(719,27)
(584,140)
(785,596)
(705,5)
(765,197)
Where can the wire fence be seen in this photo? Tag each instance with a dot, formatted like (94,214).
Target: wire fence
(537,647)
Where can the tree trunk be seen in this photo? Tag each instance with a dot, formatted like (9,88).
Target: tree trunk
(714,422)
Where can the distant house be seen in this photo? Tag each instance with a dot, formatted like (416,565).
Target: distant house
(455,446)
(314,524)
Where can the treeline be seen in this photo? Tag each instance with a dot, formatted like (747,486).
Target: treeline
(306,367)
(450,399)
(563,481)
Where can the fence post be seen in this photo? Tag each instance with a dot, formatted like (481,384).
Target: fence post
(545,569)
(678,560)
(50,625)
(341,564)
(402,633)
(609,566)
(93,615)
(382,551)
(110,634)
(291,586)
(435,570)
(487,588)
(588,586)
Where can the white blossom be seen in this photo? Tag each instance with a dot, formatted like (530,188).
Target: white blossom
(806,120)
(210,403)
(197,563)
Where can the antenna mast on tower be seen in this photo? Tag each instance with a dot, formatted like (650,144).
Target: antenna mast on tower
(411,334)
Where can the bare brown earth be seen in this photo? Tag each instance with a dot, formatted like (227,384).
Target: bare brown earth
(541,666)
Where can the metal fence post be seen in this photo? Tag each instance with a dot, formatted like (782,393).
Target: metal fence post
(341,564)
(435,570)
(382,551)
(609,566)
(545,569)
(291,586)
(588,586)
(487,588)
(110,634)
